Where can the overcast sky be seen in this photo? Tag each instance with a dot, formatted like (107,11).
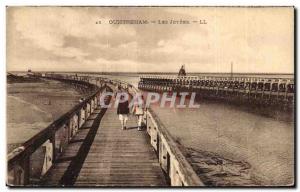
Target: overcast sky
(68,39)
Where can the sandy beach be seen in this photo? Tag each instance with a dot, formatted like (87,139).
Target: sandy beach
(32,106)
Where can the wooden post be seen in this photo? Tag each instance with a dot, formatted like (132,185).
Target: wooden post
(95,101)
(81,117)
(92,105)
(26,169)
(52,140)
(70,128)
(87,111)
(77,121)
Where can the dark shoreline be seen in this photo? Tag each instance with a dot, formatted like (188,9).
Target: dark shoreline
(22,79)
(215,170)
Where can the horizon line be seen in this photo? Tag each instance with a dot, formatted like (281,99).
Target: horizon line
(160,72)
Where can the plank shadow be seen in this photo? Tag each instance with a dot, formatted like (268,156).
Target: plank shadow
(73,170)
(60,160)
(135,127)
(76,140)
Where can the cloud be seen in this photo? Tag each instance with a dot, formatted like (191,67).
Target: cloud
(65,38)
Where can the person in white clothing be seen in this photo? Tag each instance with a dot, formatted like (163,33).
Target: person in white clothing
(138,111)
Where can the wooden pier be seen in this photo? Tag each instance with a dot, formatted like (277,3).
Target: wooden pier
(110,156)
(86,147)
(261,91)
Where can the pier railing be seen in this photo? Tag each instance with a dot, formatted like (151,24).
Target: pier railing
(30,162)
(278,92)
(172,161)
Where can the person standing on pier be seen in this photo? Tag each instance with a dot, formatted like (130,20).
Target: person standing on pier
(123,111)
(138,110)
(118,90)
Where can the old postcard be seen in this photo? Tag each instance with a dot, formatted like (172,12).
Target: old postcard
(150,96)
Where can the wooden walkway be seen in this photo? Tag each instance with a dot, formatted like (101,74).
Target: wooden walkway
(106,155)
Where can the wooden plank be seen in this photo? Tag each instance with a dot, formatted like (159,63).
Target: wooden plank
(56,173)
(120,157)
(115,157)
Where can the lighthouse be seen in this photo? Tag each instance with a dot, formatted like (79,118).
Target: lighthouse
(182,71)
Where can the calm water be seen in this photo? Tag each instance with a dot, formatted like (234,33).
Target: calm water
(265,143)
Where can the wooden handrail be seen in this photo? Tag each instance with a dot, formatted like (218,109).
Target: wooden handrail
(178,170)
(183,168)
(19,160)
(173,162)
(38,139)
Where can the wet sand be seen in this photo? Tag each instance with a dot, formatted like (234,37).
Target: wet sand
(31,107)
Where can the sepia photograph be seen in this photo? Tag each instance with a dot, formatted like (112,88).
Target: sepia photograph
(150,96)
